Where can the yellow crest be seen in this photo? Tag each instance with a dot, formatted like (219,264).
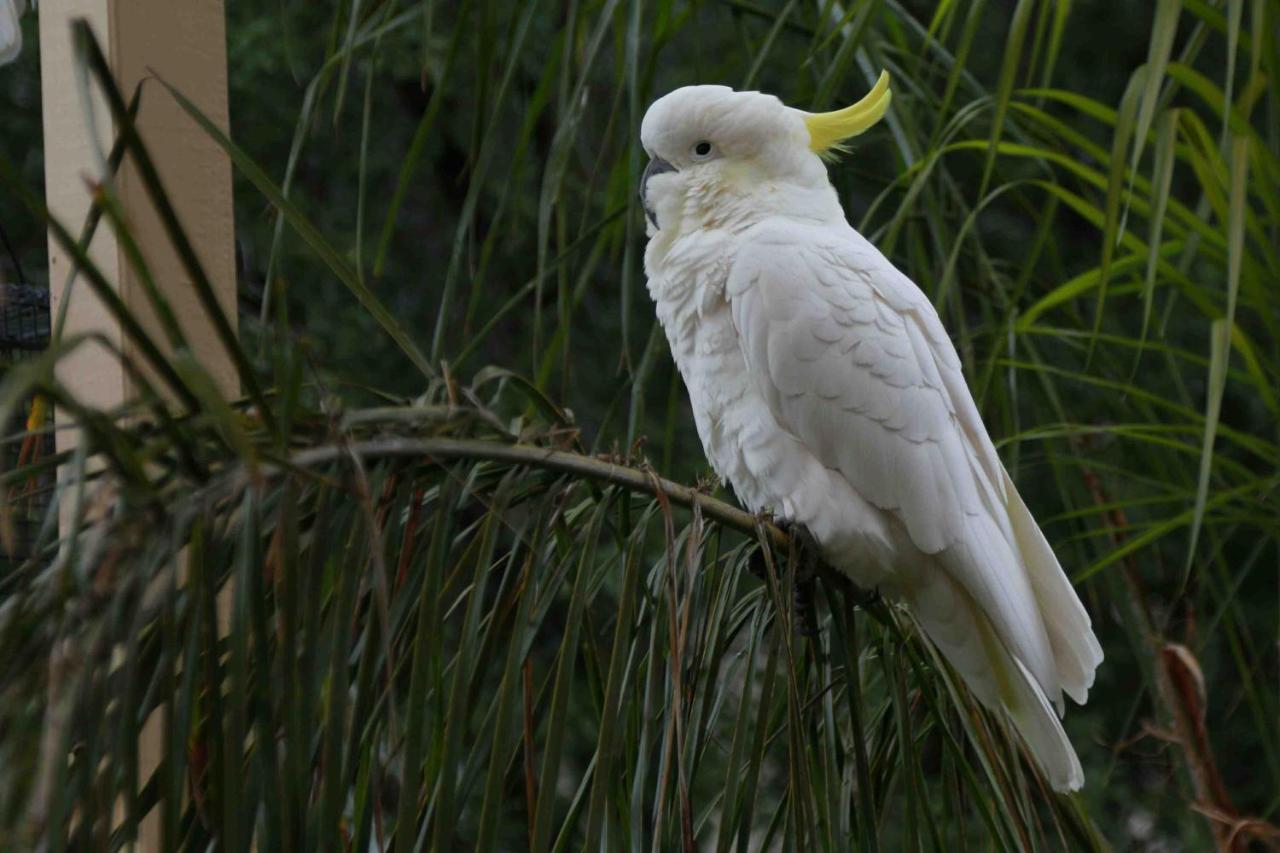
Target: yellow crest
(828,130)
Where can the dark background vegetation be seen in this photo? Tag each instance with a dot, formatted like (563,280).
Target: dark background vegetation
(485,153)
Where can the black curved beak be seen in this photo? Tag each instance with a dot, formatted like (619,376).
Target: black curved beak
(656,167)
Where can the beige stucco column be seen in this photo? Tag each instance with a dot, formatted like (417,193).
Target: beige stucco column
(183,41)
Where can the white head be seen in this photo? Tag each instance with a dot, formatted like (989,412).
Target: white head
(720,157)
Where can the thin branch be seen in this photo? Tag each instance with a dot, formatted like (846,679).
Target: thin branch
(589,467)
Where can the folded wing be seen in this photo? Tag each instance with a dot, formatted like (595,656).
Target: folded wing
(854,361)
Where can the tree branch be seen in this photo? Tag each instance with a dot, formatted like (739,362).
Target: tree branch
(590,467)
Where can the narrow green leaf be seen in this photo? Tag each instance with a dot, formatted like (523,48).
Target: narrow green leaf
(1163,30)
(330,256)
(1220,341)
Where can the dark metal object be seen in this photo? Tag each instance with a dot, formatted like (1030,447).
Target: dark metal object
(24,320)
(13,256)
(24,332)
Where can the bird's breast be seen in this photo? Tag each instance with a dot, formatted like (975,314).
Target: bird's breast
(769,467)
(687,282)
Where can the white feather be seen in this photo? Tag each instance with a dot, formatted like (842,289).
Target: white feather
(826,390)
(11,29)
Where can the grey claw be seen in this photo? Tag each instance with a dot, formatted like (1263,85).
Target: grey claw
(806,573)
(863,597)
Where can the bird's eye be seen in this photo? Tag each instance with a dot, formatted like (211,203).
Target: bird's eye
(702,150)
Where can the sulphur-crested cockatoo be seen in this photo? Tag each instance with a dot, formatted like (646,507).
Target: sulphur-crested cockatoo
(11,29)
(825,390)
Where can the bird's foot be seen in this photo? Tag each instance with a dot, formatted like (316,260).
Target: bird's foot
(804,577)
(757,566)
(863,597)
(803,582)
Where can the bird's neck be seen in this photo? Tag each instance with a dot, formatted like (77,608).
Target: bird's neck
(739,205)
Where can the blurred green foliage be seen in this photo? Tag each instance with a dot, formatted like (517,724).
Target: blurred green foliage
(475,163)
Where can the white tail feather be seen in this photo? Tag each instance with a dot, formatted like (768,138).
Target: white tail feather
(1042,731)
(965,637)
(1075,648)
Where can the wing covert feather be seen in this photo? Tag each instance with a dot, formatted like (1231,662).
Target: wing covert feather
(859,369)
(859,379)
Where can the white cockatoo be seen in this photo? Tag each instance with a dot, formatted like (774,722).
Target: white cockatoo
(11,29)
(827,392)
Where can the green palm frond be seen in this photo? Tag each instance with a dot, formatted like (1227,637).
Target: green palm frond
(380,634)
(394,599)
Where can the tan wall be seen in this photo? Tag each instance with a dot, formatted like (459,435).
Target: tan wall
(69,150)
(184,41)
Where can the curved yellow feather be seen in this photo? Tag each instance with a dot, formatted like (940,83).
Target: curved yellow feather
(828,130)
